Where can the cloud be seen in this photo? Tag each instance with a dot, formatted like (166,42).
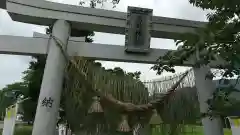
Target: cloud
(181,9)
(12,66)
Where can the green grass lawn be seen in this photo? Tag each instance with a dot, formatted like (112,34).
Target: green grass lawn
(21,130)
(192,130)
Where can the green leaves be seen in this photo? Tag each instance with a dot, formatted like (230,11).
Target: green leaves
(221,103)
(218,39)
(215,4)
(10,93)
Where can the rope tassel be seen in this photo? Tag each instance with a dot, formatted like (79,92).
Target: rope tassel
(155,119)
(96,106)
(124,126)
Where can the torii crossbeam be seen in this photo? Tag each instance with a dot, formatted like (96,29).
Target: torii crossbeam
(17,45)
(42,12)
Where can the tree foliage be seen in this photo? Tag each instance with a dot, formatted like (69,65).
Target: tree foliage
(219,38)
(9,95)
(33,79)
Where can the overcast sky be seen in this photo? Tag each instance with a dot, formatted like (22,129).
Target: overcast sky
(11,67)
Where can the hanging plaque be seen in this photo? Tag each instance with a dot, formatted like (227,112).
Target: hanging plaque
(138,28)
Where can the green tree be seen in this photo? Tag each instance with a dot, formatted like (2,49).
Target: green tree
(33,78)
(9,95)
(219,37)
(15,90)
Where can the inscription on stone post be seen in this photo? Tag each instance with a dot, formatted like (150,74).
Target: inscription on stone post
(138,28)
(47,102)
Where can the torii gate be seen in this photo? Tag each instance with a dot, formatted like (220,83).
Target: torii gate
(67,17)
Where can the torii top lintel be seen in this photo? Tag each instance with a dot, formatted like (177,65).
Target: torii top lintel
(43,12)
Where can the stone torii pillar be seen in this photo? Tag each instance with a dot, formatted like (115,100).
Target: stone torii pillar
(50,93)
(205,88)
